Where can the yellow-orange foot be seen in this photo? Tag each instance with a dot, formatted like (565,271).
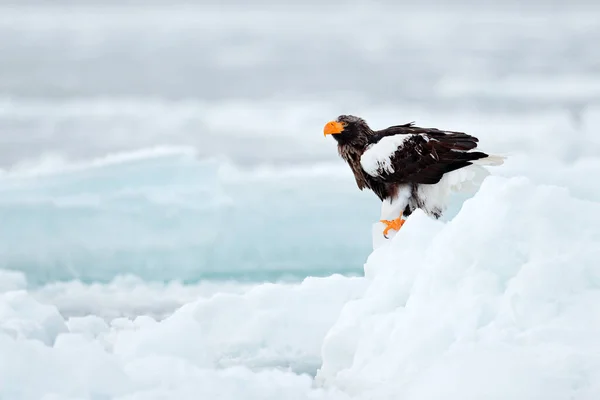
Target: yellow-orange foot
(395,224)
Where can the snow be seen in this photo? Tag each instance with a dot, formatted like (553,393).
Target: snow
(11,280)
(259,342)
(128,296)
(498,303)
(104,175)
(166,214)
(22,317)
(376,158)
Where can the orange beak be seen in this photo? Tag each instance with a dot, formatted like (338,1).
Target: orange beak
(332,128)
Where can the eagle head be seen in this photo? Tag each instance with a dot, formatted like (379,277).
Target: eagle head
(348,130)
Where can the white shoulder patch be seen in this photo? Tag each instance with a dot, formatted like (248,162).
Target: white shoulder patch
(376,157)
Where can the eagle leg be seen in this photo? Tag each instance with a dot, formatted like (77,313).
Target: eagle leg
(395,224)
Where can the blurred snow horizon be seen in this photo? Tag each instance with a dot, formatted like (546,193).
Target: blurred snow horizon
(170,210)
(86,81)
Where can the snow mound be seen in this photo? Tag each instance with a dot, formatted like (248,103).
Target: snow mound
(23,317)
(499,303)
(263,343)
(271,325)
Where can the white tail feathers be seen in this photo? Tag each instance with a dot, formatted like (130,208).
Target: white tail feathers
(490,160)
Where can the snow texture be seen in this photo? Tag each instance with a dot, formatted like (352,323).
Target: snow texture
(164,214)
(499,303)
(223,346)
(376,158)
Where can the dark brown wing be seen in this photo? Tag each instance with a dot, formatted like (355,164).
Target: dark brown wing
(409,154)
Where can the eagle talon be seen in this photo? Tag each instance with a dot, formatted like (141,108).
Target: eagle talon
(395,224)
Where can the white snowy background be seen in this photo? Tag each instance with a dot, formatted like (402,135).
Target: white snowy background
(173,225)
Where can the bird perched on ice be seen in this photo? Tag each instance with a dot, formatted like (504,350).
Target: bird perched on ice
(408,167)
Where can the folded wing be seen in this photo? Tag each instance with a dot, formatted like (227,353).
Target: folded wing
(409,154)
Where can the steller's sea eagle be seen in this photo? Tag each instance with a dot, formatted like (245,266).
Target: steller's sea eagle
(406,166)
